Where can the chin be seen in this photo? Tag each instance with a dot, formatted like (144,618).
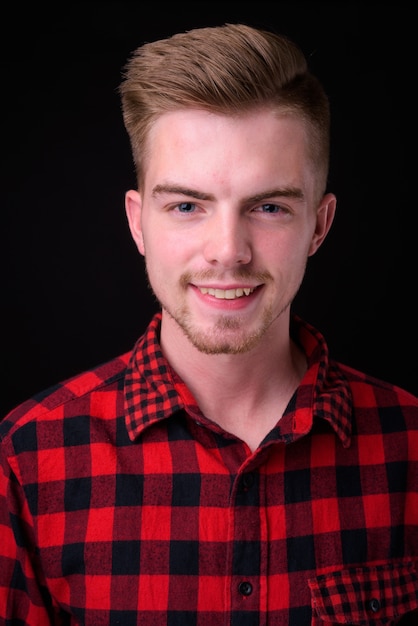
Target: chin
(224,341)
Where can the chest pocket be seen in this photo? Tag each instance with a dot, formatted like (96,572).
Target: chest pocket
(366,596)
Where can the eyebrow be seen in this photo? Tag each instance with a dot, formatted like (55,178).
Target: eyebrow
(281,192)
(184,191)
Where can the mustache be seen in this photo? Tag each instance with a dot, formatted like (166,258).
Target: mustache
(238,274)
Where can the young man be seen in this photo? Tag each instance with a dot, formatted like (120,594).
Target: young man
(227,470)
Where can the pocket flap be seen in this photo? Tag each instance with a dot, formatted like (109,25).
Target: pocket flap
(365,595)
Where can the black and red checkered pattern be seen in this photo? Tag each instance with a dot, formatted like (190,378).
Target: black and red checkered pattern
(121,504)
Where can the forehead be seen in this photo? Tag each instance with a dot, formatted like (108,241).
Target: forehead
(207,144)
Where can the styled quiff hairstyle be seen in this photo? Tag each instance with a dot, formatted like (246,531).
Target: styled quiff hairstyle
(229,69)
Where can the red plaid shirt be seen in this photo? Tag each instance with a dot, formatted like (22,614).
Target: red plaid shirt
(121,504)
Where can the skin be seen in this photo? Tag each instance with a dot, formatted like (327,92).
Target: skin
(230,203)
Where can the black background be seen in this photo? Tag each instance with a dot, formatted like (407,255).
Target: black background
(74,291)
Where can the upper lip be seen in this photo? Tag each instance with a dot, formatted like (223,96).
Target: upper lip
(226,287)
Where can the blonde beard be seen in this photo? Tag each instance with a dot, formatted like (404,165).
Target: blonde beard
(228,335)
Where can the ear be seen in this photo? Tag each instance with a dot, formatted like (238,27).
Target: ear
(133,207)
(324,217)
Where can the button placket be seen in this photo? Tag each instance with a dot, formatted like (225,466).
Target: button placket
(246,550)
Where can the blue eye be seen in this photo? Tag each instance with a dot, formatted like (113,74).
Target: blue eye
(186,207)
(270,208)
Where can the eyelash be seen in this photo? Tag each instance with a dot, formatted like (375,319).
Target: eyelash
(277,208)
(191,208)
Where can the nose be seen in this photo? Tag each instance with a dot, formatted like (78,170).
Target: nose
(227,241)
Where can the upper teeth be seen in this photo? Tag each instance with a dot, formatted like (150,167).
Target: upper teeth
(228,294)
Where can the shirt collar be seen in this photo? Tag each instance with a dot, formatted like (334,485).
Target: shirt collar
(153,391)
(324,391)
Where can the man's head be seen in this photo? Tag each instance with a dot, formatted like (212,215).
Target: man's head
(229,69)
(230,136)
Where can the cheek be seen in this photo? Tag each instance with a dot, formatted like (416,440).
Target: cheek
(287,249)
(176,246)
(286,259)
(163,253)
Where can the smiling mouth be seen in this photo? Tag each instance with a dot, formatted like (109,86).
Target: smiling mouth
(227,294)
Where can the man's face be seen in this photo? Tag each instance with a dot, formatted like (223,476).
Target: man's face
(226,221)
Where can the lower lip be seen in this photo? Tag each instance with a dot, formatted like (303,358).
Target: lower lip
(224,304)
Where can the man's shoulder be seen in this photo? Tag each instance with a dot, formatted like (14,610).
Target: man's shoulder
(70,396)
(368,390)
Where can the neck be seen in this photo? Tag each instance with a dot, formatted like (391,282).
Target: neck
(245,394)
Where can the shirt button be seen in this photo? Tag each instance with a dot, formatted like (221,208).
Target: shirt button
(374,605)
(247,481)
(245,588)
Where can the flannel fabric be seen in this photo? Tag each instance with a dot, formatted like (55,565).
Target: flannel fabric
(122,504)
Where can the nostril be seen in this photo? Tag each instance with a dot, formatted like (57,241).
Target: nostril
(228,254)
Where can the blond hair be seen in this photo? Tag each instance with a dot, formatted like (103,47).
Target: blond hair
(228,69)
